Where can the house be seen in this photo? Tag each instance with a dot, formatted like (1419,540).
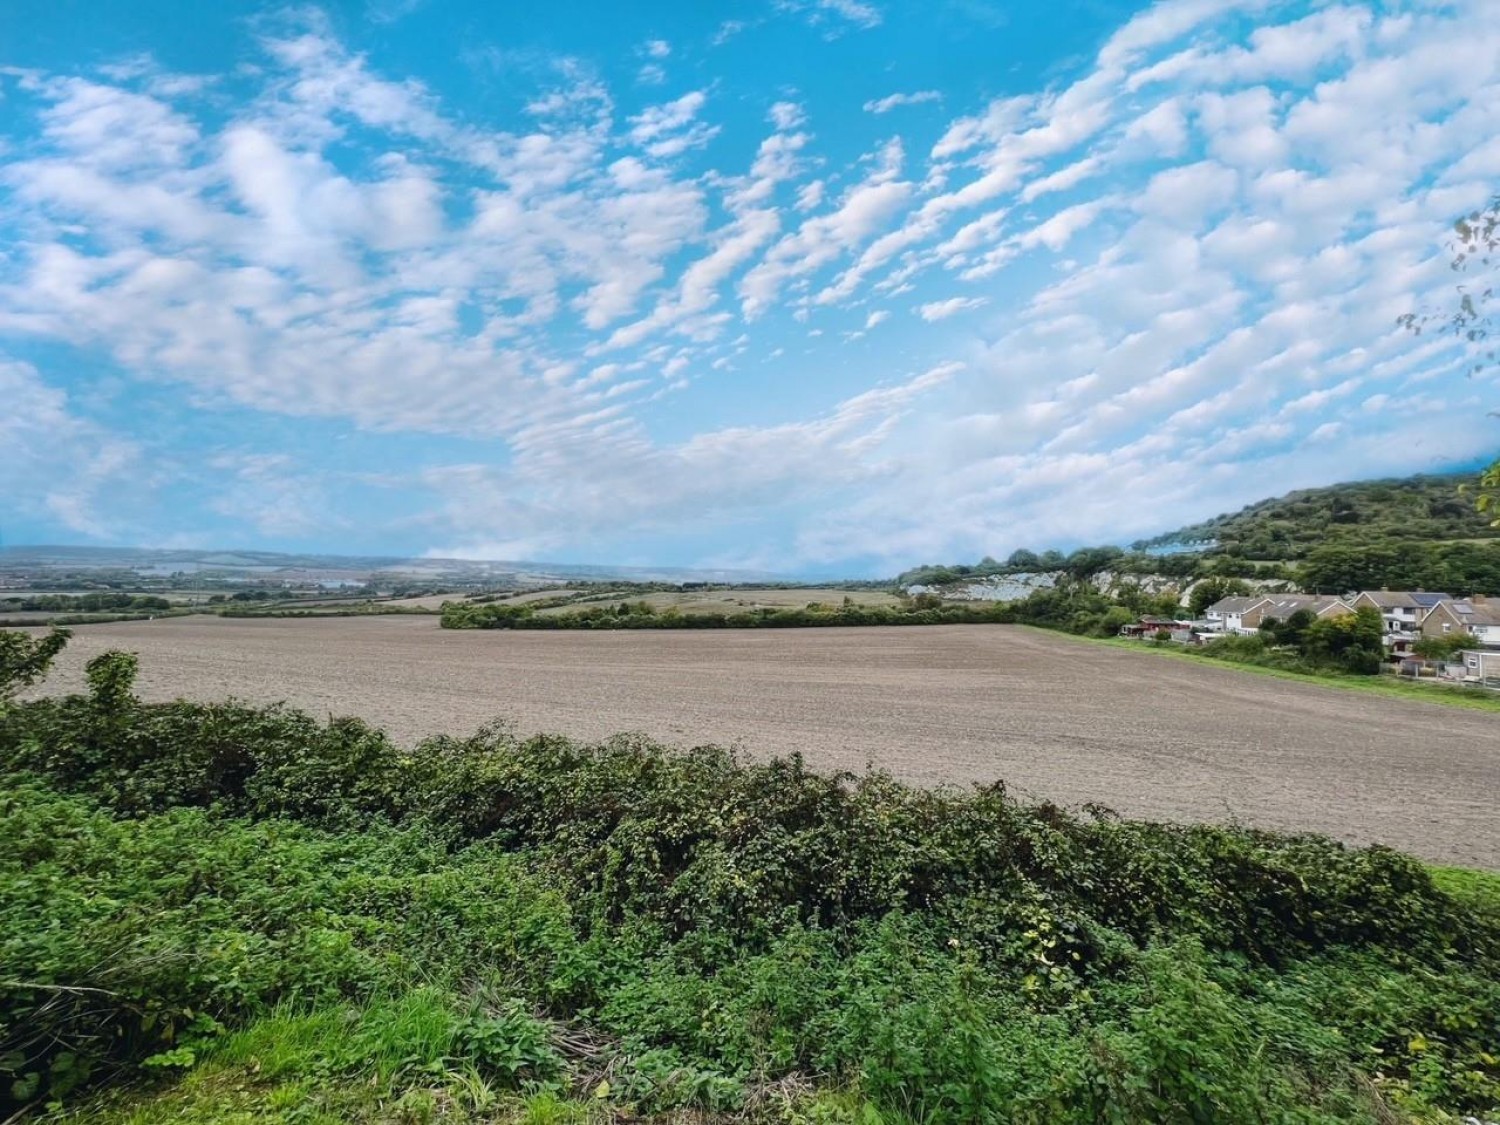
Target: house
(1245,614)
(1444,620)
(1229,615)
(1476,665)
(1282,606)
(1481,619)
(1406,612)
(1399,609)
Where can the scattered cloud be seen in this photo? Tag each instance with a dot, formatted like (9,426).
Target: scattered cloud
(834,16)
(672,129)
(728,30)
(942,310)
(60,467)
(786,115)
(1191,249)
(895,101)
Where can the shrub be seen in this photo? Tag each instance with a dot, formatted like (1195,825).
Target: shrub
(181,882)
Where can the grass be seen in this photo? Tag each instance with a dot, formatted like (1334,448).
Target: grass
(1474,699)
(1478,890)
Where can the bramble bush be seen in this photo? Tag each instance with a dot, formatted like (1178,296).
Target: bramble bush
(187,887)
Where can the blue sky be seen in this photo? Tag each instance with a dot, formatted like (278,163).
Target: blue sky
(814,286)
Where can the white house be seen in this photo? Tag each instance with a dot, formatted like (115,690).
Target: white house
(1235,614)
(1480,618)
(1401,610)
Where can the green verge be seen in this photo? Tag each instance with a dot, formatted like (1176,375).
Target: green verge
(1479,890)
(219,913)
(1475,699)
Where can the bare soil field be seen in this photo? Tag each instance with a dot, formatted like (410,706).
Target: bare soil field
(1053,717)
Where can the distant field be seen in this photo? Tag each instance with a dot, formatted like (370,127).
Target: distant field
(534,596)
(431,601)
(738,600)
(1051,716)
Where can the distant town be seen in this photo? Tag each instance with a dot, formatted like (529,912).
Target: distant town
(1462,633)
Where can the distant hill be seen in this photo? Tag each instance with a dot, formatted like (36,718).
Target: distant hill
(1421,508)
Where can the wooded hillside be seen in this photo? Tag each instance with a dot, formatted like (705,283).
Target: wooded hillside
(1422,508)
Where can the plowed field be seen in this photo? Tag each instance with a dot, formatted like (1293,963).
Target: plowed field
(1053,717)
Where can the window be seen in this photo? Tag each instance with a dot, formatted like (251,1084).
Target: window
(1447,628)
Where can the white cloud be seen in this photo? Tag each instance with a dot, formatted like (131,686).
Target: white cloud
(672,129)
(942,310)
(825,238)
(56,464)
(1191,254)
(719,477)
(728,30)
(787,115)
(855,11)
(894,101)
(835,15)
(275,495)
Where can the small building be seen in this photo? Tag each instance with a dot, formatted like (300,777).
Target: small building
(1148,627)
(1476,665)
(1235,614)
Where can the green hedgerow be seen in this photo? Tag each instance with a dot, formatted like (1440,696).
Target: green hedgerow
(308,905)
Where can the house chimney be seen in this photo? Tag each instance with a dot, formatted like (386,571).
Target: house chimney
(1479,599)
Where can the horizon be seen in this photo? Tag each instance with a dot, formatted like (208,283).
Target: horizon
(832,575)
(809,287)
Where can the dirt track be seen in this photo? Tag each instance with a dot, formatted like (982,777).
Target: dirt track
(1052,716)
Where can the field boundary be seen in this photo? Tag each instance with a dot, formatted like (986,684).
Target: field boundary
(1466,698)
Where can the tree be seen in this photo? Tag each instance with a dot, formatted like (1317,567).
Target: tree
(1212,590)
(24,660)
(1089,561)
(1440,648)
(1352,641)
(1487,493)
(1476,241)
(1292,632)
(1022,559)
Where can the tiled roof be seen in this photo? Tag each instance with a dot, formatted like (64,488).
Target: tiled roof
(1392,599)
(1284,605)
(1471,614)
